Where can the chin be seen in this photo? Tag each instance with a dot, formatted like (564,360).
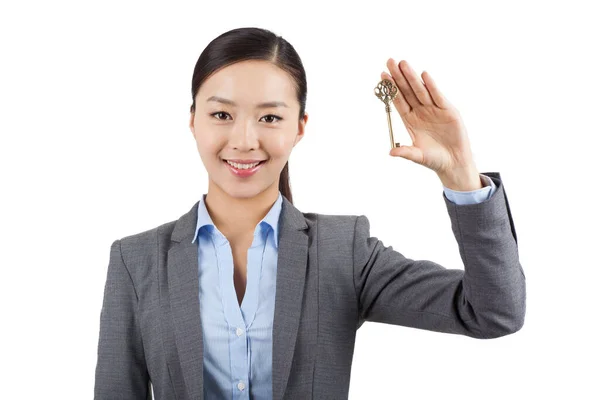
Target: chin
(243,190)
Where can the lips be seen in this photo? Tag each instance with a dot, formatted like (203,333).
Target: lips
(243,173)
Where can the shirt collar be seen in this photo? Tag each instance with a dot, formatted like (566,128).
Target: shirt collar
(271,219)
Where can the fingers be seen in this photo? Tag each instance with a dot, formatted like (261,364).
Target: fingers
(434,91)
(409,83)
(415,83)
(408,96)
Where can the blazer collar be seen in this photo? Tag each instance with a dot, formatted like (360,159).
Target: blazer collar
(182,273)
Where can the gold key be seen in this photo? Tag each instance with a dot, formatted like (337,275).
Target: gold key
(386,91)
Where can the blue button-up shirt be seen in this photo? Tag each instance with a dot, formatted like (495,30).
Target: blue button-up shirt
(238,341)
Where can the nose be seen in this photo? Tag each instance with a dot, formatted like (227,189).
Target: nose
(243,137)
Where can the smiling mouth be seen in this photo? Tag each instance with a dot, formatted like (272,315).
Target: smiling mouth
(244,172)
(259,163)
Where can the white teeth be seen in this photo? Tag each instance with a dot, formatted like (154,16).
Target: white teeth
(242,166)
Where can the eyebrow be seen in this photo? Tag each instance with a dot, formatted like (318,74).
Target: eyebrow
(268,104)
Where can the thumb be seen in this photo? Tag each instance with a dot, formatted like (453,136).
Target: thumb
(411,153)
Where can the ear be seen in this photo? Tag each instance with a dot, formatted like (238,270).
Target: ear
(191,125)
(301,128)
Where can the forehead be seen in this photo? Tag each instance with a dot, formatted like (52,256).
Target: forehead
(249,82)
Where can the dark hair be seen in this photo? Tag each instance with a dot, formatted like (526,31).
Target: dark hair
(253,44)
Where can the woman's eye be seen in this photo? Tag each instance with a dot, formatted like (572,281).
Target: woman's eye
(274,116)
(219,112)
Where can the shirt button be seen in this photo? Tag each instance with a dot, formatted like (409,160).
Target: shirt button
(241,385)
(239,331)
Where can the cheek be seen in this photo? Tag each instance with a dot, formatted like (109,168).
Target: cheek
(206,142)
(280,146)
(208,151)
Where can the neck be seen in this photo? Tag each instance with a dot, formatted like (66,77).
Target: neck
(235,216)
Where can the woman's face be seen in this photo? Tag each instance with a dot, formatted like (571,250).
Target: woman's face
(229,124)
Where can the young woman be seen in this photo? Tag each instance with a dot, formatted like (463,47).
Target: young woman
(245,296)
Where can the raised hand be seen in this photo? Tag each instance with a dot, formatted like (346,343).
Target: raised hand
(439,136)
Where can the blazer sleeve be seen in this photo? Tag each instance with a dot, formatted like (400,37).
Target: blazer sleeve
(485,300)
(121,367)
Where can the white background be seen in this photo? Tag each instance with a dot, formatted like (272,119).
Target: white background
(95,146)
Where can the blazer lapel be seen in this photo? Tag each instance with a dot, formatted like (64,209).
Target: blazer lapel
(182,265)
(182,272)
(292,259)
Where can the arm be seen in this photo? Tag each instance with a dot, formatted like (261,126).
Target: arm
(121,367)
(486,300)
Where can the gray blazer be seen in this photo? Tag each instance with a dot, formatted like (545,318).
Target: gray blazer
(332,276)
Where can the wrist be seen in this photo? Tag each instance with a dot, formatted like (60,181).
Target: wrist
(462,179)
